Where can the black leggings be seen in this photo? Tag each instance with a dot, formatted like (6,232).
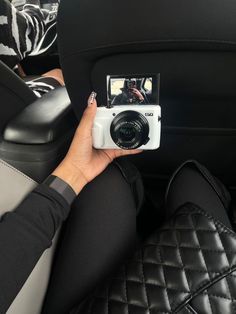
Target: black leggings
(98,235)
(101,229)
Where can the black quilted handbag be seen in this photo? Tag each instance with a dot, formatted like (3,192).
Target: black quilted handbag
(187,266)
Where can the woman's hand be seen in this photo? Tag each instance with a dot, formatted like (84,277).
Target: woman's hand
(83,162)
(138,94)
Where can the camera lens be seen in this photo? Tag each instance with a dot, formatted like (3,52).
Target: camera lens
(127,133)
(129,130)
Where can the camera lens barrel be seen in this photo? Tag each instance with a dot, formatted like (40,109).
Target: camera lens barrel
(129,130)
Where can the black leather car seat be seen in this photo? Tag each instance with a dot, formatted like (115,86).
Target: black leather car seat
(34,132)
(15,95)
(187,266)
(191,43)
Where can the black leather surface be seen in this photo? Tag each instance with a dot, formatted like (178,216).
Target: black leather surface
(136,27)
(219,298)
(44,121)
(188,266)
(15,95)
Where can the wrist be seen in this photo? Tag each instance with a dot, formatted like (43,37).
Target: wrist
(71,175)
(60,186)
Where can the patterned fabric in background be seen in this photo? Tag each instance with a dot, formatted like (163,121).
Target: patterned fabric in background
(20,34)
(42,85)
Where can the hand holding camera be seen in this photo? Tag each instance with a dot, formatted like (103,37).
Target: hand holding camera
(137,93)
(82,162)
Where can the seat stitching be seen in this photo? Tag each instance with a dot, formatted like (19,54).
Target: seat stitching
(214,277)
(179,268)
(179,250)
(221,228)
(192,296)
(207,284)
(208,297)
(194,248)
(166,290)
(189,229)
(155,285)
(220,297)
(194,223)
(134,305)
(185,229)
(195,210)
(225,250)
(233,305)
(144,282)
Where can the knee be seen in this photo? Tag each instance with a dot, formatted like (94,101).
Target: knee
(112,176)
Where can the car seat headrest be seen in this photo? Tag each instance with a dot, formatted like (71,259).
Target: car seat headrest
(92,30)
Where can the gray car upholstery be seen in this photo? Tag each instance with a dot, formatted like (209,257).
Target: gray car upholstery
(14,186)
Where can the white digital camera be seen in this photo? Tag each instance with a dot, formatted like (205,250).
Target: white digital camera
(132,117)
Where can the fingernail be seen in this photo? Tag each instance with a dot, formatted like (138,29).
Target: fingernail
(92,97)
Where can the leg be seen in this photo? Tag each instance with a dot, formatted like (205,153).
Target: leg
(193,183)
(98,235)
(57,75)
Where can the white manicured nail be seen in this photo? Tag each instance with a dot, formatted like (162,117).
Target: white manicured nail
(92,98)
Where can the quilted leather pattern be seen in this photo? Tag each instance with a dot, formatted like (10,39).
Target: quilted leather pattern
(187,266)
(218,298)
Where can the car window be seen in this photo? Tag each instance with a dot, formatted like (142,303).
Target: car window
(116,86)
(148,84)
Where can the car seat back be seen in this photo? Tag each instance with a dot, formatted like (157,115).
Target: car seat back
(191,43)
(14,187)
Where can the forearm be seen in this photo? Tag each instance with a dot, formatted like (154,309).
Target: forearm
(24,235)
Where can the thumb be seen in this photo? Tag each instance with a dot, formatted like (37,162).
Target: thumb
(88,117)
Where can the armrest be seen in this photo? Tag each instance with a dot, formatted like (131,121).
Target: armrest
(44,121)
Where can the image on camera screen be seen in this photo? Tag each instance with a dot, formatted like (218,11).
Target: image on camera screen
(133,89)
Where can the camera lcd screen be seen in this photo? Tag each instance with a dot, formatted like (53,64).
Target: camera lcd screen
(133,89)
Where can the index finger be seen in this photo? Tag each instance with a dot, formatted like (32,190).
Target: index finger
(126,152)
